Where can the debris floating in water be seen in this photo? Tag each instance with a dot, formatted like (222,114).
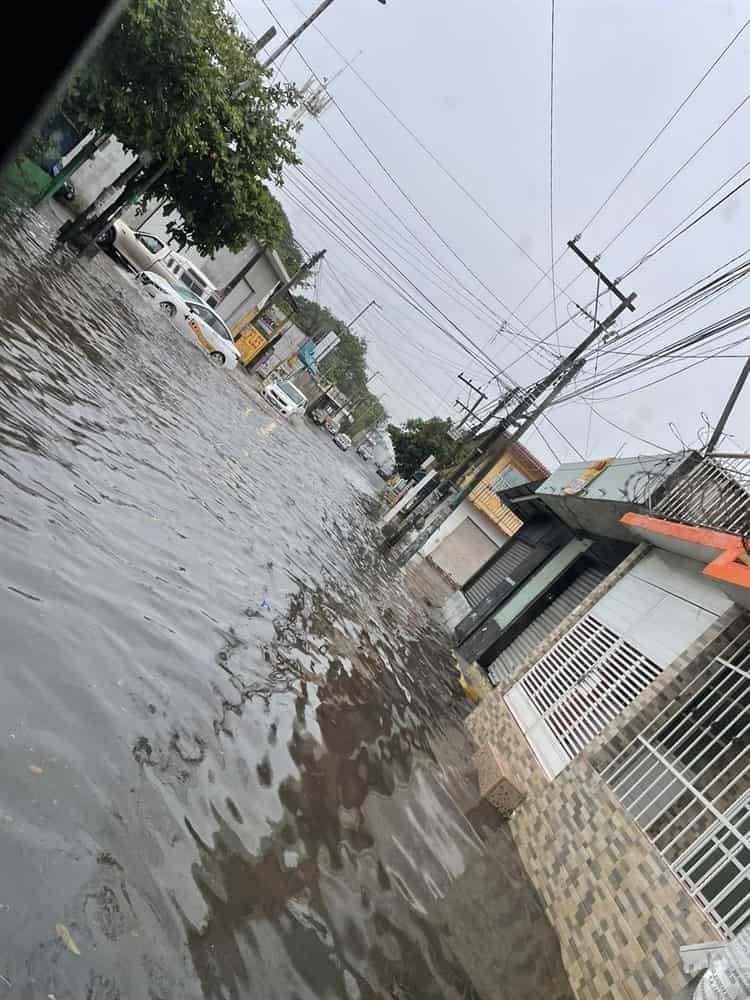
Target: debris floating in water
(67,938)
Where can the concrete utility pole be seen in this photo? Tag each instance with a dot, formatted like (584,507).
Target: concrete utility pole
(291,39)
(561,374)
(726,412)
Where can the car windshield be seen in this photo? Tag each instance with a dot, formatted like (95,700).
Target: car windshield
(292,392)
(215,322)
(185,293)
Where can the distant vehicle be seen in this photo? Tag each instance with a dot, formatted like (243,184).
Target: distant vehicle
(192,316)
(364,452)
(145,252)
(343,441)
(286,397)
(319,415)
(332,426)
(383,473)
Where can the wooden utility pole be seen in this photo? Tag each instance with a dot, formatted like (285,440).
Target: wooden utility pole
(469,409)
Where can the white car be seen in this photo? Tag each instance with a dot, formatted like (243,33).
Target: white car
(343,441)
(145,252)
(192,316)
(286,397)
(141,251)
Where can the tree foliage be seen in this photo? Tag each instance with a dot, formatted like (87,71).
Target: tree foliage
(163,82)
(417,439)
(287,246)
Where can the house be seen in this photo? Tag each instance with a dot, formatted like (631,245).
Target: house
(482,523)
(626,727)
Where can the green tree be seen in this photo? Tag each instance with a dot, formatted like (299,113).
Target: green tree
(367,411)
(163,82)
(417,439)
(317,320)
(287,246)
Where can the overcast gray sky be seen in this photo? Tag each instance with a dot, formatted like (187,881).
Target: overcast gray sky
(472,80)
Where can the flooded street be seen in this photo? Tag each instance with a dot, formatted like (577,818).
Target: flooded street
(233,762)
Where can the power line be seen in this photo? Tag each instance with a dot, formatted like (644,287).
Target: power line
(677,172)
(666,125)
(428,152)
(551,161)
(625,430)
(430,276)
(633,166)
(377,269)
(659,247)
(396,268)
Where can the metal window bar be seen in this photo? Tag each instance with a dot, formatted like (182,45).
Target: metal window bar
(714,494)
(731,708)
(588,678)
(698,724)
(690,766)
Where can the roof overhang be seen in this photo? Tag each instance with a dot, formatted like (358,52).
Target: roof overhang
(722,554)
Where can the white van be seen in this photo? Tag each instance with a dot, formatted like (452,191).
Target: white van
(181,271)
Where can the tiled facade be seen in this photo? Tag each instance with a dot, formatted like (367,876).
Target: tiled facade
(620,914)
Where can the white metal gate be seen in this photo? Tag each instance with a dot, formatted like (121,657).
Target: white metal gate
(570,695)
(686,780)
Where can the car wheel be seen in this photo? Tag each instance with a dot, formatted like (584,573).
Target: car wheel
(217,357)
(169,309)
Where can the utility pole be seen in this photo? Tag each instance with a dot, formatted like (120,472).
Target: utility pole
(292,38)
(561,374)
(361,313)
(726,412)
(493,455)
(469,410)
(298,274)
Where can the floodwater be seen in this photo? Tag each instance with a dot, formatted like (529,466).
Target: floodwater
(232,760)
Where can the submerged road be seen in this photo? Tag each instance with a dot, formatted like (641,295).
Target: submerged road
(232,760)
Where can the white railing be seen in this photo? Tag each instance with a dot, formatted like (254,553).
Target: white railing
(714,494)
(685,779)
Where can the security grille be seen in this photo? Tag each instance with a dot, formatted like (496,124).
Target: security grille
(714,494)
(575,690)
(685,779)
(510,558)
(549,618)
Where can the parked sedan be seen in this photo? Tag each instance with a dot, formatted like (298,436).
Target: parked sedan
(141,251)
(343,441)
(192,316)
(286,397)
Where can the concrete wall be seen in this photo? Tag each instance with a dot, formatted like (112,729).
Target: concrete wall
(101,170)
(463,552)
(464,510)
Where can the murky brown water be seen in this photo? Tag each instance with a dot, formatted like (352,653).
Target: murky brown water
(232,756)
